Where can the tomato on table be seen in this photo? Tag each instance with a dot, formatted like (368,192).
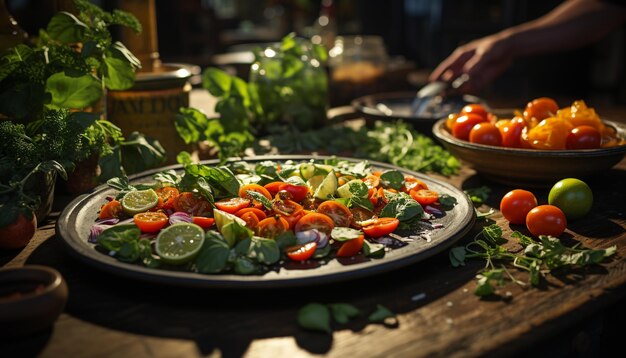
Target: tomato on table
(192,203)
(203,222)
(167,195)
(317,221)
(546,220)
(485,133)
(301,252)
(381,227)
(232,205)
(272,227)
(583,137)
(112,209)
(298,192)
(18,233)
(540,109)
(151,221)
(464,124)
(516,204)
(243,191)
(351,248)
(424,196)
(339,213)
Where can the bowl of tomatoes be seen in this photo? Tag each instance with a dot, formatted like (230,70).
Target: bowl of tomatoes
(534,147)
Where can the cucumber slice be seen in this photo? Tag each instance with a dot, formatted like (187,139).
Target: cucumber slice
(327,187)
(307,170)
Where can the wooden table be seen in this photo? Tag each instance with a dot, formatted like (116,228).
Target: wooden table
(577,313)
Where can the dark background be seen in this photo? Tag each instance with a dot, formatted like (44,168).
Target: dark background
(419,31)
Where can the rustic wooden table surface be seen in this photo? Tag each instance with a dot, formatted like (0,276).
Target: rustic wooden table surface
(577,313)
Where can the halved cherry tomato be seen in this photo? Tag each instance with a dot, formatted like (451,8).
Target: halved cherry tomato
(372,181)
(191,203)
(243,191)
(273,187)
(550,133)
(252,221)
(286,207)
(203,222)
(411,182)
(424,196)
(540,109)
(583,137)
(317,221)
(112,209)
(512,132)
(272,227)
(301,252)
(339,213)
(351,248)
(293,219)
(475,108)
(485,133)
(232,205)
(298,192)
(380,227)
(167,195)
(258,212)
(464,124)
(150,221)
(360,214)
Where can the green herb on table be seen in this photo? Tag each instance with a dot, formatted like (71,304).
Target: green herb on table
(478,195)
(318,317)
(538,258)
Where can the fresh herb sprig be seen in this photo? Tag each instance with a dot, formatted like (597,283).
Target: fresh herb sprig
(318,317)
(538,258)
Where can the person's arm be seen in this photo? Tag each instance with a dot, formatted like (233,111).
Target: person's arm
(572,24)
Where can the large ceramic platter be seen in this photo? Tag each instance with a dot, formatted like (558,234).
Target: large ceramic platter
(78,217)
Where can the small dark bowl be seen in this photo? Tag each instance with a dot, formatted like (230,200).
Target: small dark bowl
(31,299)
(532,167)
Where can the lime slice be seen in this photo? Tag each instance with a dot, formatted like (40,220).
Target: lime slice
(139,201)
(223,218)
(327,187)
(179,243)
(351,188)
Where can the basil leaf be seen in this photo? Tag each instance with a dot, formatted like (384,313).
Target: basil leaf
(374,250)
(114,238)
(244,266)
(265,251)
(380,314)
(447,201)
(213,256)
(343,312)
(392,179)
(314,316)
(66,28)
(286,239)
(73,92)
(216,81)
(119,74)
(402,207)
(190,124)
(457,256)
(140,153)
(260,198)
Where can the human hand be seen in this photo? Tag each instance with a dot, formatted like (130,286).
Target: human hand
(478,63)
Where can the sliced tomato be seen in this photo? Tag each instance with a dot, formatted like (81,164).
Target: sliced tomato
(232,205)
(360,214)
(301,252)
(298,192)
(273,187)
(372,181)
(317,221)
(286,207)
(151,221)
(167,196)
(192,203)
(272,227)
(351,248)
(293,219)
(258,212)
(339,213)
(112,209)
(424,196)
(252,221)
(380,227)
(243,191)
(411,183)
(203,222)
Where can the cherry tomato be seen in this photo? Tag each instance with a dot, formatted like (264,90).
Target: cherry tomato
(583,137)
(540,109)
(18,233)
(351,248)
(317,221)
(258,212)
(286,207)
(232,205)
(298,192)
(550,133)
(546,220)
(411,182)
(191,203)
(243,191)
(359,215)
(372,181)
(293,219)
(167,195)
(512,132)
(151,221)
(272,227)
(273,187)
(450,121)
(475,108)
(252,221)
(578,114)
(301,252)
(112,209)
(339,213)
(203,222)
(380,227)
(516,204)
(464,124)
(572,196)
(424,196)
(485,133)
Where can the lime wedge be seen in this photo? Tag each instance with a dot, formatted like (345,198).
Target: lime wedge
(307,170)
(314,182)
(179,243)
(353,187)
(223,218)
(139,201)
(327,187)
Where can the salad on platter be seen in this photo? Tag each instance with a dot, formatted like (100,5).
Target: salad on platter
(254,217)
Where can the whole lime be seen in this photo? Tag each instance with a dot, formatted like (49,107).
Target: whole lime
(573,196)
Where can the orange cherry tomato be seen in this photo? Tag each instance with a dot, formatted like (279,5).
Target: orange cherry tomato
(298,192)
(516,204)
(583,137)
(167,195)
(151,221)
(273,187)
(301,252)
(286,207)
(351,248)
(192,203)
(546,220)
(411,182)
(512,132)
(293,219)
(372,181)
(112,209)
(578,114)
(317,221)
(232,205)
(424,196)
(550,133)
(359,215)
(381,227)
(203,222)
(485,133)
(243,191)
(258,212)
(450,121)
(252,221)
(272,227)
(464,124)
(475,108)
(540,109)
(339,213)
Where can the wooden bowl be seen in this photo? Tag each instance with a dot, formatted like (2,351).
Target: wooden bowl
(31,299)
(532,167)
